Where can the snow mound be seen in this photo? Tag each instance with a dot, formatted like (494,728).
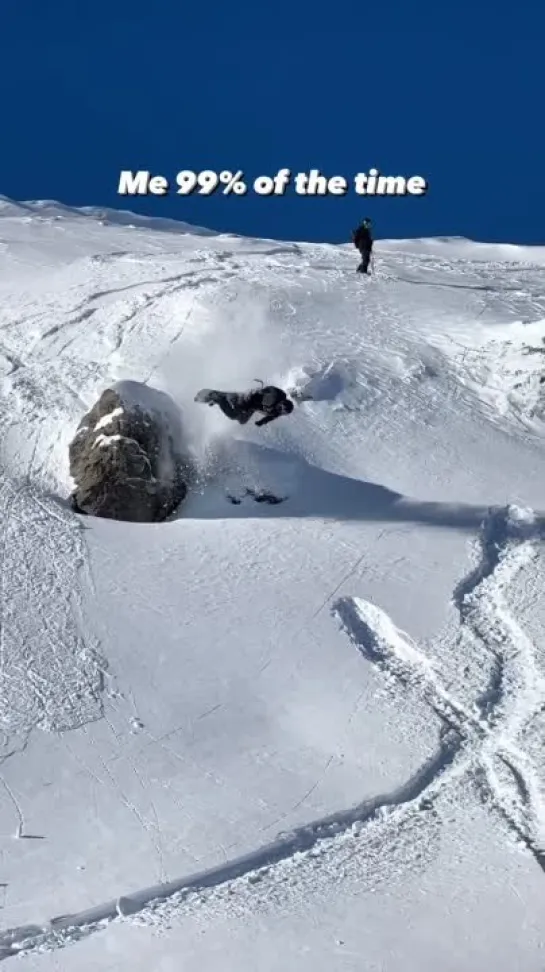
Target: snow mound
(324,384)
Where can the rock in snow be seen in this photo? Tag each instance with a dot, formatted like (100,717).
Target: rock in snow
(127,458)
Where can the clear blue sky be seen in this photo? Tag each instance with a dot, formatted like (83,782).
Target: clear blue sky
(454,93)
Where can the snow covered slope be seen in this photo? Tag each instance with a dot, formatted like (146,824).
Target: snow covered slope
(301,735)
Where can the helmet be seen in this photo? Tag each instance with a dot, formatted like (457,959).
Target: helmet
(287,407)
(366,221)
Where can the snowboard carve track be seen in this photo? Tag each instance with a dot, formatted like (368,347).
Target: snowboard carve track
(67,929)
(489,726)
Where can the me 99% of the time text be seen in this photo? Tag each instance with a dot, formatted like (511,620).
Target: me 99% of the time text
(311,183)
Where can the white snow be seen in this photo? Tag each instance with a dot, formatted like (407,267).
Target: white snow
(106,440)
(305,735)
(107,419)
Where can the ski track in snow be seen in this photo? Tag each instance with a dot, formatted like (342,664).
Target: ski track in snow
(51,673)
(485,732)
(108,325)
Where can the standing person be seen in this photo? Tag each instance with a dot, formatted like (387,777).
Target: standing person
(363,241)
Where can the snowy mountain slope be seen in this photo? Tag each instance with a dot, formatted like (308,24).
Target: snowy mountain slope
(323,707)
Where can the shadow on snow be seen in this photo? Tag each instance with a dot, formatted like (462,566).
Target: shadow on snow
(309,492)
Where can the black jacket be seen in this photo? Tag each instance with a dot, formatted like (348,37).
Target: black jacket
(362,238)
(269,400)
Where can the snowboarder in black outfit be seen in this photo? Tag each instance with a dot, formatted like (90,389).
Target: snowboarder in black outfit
(363,241)
(241,406)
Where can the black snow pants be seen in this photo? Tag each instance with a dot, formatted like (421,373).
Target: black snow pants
(234,406)
(365,253)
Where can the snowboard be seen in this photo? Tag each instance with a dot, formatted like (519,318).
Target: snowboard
(261,496)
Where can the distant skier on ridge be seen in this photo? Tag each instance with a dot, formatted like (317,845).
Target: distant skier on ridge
(240,407)
(363,241)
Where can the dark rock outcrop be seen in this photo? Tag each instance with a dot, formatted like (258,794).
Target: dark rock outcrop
(127,458)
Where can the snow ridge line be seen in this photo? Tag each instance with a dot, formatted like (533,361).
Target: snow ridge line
(487,728)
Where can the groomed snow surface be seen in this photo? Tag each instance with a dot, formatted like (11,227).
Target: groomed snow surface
(305,736)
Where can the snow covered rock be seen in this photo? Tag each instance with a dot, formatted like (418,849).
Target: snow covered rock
(127,458)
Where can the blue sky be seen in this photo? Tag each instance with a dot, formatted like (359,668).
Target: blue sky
(454,94)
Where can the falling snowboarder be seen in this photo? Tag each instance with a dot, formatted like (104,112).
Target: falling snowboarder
(241,406)
(363,241)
